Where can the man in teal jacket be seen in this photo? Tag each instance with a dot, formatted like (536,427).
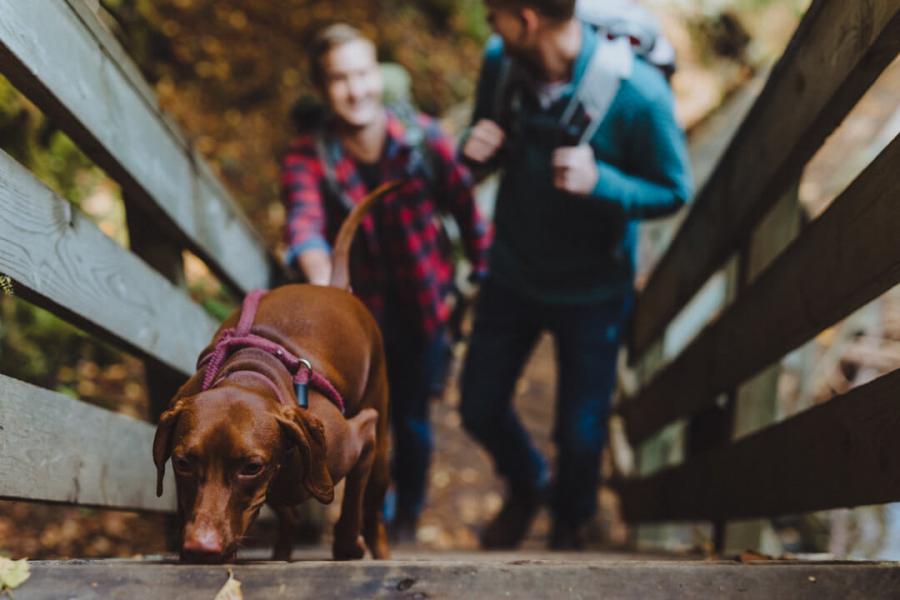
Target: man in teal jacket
(575,182)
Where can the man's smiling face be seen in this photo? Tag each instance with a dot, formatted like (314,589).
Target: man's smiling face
(352,83)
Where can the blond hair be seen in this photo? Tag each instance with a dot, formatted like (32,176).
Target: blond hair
(327,40)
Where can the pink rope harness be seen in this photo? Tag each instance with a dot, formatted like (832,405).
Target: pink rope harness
(240,337)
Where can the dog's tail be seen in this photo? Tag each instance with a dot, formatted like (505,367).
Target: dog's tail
(340,256)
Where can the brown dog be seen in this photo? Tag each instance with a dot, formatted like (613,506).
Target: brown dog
(246,441)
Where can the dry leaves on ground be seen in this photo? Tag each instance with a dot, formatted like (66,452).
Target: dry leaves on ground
(231,590)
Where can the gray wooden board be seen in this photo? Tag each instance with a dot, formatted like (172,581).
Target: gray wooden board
(845,258)
(843,453)
(64,68)
(473,578)
(54,448)
(838,51)
(58,254)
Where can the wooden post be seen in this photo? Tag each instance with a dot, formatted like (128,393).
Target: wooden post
(165,257)
(755,403)
(162,382)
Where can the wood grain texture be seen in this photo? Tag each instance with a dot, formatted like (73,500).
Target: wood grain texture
(79,76)
(843,453)
(837,53)
(54,448)
(844,259)
(468,576)
(69,266)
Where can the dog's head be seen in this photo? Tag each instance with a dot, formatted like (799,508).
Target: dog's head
(227,445)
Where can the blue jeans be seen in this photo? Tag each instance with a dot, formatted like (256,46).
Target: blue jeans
(412,365)
(587,341)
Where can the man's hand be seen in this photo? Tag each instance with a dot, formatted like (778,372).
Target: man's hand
(484,141)
(315,264)
(575,170)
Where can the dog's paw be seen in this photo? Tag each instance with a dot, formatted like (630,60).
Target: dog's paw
(377,541)
(381,550)
(348,550)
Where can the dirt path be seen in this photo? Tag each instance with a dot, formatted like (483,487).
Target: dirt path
(464,493)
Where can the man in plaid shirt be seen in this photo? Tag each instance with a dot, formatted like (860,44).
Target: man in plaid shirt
(401,267)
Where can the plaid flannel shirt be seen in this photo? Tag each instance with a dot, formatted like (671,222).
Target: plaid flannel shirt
(403,252)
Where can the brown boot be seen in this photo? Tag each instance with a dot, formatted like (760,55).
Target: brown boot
(507,530)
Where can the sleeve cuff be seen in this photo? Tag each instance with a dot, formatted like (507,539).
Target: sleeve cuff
(610,184)
(290,257)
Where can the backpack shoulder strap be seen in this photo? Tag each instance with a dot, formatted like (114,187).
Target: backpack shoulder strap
(611,63)
(417,138)
(325,150)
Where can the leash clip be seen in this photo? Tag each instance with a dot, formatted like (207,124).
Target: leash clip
(301,384)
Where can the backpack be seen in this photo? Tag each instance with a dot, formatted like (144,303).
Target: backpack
(629,20)
(626,31)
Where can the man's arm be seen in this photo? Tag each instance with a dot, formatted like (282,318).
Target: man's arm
(305,226)
(482,141)
(664,182)
(661,183)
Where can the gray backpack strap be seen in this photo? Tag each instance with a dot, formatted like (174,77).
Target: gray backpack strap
(611,63)
(328,160)
(423,159)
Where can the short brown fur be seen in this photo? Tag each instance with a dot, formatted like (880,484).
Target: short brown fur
(245,442)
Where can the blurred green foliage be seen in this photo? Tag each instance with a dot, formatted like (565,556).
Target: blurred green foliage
(34,343)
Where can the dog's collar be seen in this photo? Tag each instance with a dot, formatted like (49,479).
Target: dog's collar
(233,338)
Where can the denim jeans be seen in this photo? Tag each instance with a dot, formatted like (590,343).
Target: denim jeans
(412,365)
(587,341)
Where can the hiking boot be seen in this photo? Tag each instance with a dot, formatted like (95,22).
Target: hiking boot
(566,535)
(507,530)
(403,529)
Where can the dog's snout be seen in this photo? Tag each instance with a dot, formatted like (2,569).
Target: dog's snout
(203,543)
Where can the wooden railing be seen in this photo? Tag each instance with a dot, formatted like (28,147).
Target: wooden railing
(52,447)
(840,454)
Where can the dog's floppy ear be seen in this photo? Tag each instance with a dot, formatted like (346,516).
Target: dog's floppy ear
(308,433)
(162,442)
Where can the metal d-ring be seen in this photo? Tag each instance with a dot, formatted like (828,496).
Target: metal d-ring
(307,364)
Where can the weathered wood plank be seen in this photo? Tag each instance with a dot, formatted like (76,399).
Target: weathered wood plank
(472,578)
(74,74)
(60,260)
(843,453)
(844,259)
(838,51)
(54,448)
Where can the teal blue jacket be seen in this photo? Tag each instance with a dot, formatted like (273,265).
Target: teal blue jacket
(554,247)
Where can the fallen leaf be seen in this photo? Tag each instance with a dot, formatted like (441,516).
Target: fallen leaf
(231,590)
(13,573)
(753,556)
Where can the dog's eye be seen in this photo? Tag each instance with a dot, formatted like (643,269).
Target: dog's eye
(251,469)
(182,465)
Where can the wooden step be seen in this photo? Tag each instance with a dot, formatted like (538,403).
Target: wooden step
(466,576)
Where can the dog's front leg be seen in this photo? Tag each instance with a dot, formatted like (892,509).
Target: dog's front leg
(284,544)
(348,544)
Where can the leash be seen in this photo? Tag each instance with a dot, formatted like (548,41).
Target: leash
(233,338)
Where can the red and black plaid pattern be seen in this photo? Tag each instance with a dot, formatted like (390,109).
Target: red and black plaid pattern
(403,253)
